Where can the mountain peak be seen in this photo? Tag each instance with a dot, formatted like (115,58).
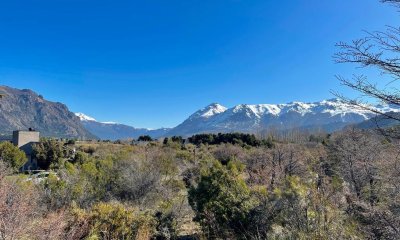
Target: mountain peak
(84,117)
(209,111)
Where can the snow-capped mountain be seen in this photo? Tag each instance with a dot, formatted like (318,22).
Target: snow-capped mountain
(209,111)
(114,131)
(329,115)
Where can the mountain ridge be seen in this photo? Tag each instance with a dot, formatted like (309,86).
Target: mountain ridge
(114,131)
(330,115)
(24,109)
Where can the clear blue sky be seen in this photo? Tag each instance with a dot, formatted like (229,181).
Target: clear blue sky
(152,63)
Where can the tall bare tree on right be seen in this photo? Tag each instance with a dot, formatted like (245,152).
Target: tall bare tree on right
(379,50)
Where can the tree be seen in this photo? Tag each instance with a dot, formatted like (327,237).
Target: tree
(165,141)
(177,139)
(378,50)
(50,152)
(145,138)
(358,155)
(12,155)
(369,167)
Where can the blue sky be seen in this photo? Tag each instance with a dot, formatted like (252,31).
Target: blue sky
(153,63)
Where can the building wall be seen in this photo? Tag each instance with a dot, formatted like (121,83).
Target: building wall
(24,141)
(21,138)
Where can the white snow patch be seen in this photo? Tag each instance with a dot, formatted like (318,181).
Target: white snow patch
(110,123)
(84,117)
(213,110)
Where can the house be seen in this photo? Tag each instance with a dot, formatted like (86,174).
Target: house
(24,140)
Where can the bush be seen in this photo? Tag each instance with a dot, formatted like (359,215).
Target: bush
(114,221)
(12,155)
(221,201)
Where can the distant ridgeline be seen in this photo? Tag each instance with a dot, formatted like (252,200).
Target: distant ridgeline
(23,109)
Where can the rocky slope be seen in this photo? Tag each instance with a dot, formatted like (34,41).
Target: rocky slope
(23,109)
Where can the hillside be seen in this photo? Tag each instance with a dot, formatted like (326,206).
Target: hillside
(23,109)
(381,121)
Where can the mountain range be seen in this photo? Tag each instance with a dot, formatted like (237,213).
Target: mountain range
(23,109)
(114,131)
(328,115)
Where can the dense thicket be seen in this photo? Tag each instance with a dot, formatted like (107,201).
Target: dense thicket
(232,138)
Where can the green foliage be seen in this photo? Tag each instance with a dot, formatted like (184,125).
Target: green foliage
(71,142)
(12,155)
(165,141)
(299,210)
(269,142)
(51,153)
(233,138)
(81,157)
(233,191)
(145,138)
(177,139)
(221,201)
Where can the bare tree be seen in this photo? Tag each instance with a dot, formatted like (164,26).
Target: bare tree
(369,167)
(378,50)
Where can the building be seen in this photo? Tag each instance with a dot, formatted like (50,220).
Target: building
(24,140)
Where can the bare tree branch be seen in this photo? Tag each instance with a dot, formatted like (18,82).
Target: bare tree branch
(379,50)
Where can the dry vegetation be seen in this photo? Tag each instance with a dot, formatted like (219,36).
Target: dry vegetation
(342,186)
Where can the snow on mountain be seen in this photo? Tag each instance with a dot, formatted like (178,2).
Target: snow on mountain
(331,115)
(111,123)
(114,131)
(209,111)
(84,117)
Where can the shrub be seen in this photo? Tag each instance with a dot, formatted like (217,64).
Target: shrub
(12,155)
(113,221)
(221,201)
